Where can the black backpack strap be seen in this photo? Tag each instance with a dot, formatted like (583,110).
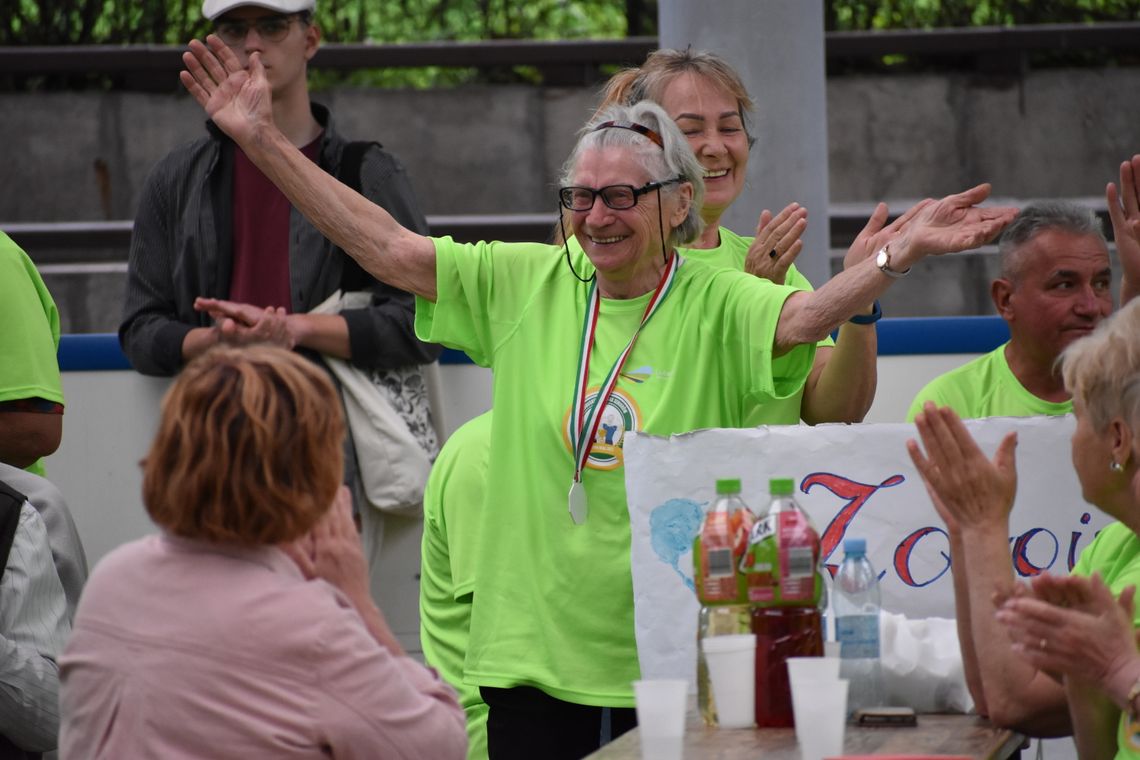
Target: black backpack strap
(11,502)
(351,157)
(353,276)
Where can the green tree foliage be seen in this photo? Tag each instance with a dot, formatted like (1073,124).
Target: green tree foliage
(857,15)
(82,22)
(173,22)
(123,22)
(404,21)
(853,15)
(78,22)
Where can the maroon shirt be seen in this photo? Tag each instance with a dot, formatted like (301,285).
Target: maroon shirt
(261,235)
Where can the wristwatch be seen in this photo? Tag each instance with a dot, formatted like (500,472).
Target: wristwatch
(883,262)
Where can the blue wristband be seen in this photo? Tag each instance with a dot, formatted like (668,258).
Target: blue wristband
(868,319)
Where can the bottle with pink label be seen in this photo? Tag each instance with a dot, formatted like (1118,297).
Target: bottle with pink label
(782,575)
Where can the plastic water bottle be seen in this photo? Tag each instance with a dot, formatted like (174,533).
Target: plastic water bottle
(717,551)
(856,602)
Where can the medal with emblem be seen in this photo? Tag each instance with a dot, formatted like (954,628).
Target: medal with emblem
(585,420)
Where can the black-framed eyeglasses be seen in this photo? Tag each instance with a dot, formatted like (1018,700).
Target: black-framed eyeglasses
(617,197)
(271,28)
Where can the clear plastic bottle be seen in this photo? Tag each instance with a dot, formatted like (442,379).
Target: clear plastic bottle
(784,584)
(857,604)
(717,551)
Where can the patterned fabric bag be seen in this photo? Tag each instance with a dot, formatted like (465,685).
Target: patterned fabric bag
(389,417)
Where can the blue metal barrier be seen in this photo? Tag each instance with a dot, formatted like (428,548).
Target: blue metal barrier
(941,335)
(897,336)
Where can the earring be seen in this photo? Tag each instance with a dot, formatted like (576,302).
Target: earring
(1116,466)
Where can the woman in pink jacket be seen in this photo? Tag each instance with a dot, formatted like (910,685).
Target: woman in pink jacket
(245,628)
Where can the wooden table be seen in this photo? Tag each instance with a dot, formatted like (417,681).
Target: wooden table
(964,735)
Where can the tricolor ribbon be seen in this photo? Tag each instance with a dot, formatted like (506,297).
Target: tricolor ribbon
(583,425)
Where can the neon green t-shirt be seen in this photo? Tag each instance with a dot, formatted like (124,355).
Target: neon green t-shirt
(1115,554)
(985,387)
(553,601)
(453,501)
(29,333)
(730,254)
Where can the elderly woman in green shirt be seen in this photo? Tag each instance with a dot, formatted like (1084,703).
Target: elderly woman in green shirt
(583,348)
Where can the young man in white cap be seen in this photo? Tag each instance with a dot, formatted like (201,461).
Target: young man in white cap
(211,226)
(219,255)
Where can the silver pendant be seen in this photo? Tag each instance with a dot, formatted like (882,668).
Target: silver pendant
(577,502)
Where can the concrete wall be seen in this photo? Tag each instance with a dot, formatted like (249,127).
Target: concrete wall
(1053,133)
(84,155)
(498,149)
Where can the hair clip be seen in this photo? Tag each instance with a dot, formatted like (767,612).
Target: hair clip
(633,126)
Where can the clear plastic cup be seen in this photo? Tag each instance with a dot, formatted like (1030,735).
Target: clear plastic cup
(822,706)
(661,716)
(731,662)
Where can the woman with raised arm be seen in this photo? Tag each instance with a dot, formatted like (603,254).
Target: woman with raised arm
(552,640)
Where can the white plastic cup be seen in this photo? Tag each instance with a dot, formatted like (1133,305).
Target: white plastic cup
(812,668)
(731,662)
(662,747)
(823,707)
(661,704)
(802,671)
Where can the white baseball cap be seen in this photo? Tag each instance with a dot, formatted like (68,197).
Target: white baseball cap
(211,9)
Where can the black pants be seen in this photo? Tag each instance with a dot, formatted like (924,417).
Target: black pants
(525,723)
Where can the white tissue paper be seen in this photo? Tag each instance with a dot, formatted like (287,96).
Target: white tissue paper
(922,664)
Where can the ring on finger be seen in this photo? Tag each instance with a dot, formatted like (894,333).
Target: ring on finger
(772,254)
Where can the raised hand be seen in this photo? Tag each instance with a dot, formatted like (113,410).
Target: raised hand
(1124,212)
(236,99)
(777,243)
(874,235)
(968,489)
(954,223)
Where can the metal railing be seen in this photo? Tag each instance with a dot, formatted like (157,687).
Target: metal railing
(978,42)
(95,242)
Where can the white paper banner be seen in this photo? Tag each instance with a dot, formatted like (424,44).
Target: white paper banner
(854,480)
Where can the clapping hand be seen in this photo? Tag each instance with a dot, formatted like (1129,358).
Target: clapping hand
(1073,625)
(777,243)
(242,323)
(968,490)
(332,550)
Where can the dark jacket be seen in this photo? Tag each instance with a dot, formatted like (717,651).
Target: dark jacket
(181,248)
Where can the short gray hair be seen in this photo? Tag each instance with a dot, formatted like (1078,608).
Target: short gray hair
(1103,370)
(1038,217)
(674,158)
